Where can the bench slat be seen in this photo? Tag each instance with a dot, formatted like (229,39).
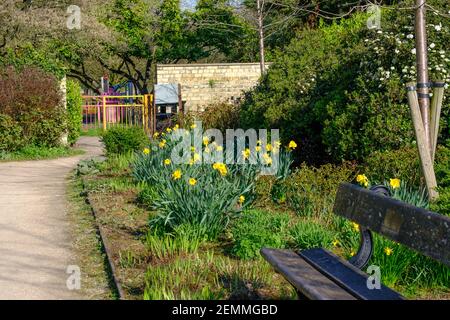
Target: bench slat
(303,276)
(347,275)
(422,230)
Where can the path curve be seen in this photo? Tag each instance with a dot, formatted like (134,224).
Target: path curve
(35,235)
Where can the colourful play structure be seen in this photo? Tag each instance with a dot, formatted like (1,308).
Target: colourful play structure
(122,105)
(118,105)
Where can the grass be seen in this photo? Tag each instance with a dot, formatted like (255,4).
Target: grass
(39,153)
(87,246)
(91,132)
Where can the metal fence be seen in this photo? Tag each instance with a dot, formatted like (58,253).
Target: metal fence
(103,112)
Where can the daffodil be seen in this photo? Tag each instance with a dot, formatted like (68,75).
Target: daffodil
(335,243)
(205,141)
(162,144)
(269,147)
(292,145)
(176,174)
(221,167)
(267,159)
(192,181)
(278,143)
(192,149)
(146,151)
(219,148)
(352,253)
(362,180)
(246,153)
(196,157)
(176,127)
(193,126)
(259,142)
(169,130)
(167,162)
(388,251)
(156,135)
(241,199)
(258,148)
(355,226)
(207,150)
(395,183)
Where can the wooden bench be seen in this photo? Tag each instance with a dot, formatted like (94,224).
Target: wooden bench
(321,275)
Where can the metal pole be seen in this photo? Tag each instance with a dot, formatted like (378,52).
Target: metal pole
(422,69)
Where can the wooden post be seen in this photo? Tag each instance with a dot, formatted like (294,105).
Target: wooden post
(422,68)
(180,100)
(104,113)
(422,144)
(436,106)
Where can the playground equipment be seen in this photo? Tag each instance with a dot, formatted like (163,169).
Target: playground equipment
(121,105)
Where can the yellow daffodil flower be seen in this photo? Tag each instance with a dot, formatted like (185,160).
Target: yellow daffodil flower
(362,180)
(269,147)
(146,151)
(167,162)
(258,148)
(176,174)
(205,141)
(246,153)
(395,183)
(169,130)
(388,251)
(192,181)
(335,243)
(292,145)
(355,226)
(193,126)
(241,199)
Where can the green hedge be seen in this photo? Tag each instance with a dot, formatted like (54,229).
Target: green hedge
(121,140)
(74,111)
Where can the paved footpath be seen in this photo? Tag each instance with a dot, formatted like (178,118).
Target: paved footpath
(35,241)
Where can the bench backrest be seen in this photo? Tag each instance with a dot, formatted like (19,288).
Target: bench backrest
(422,230)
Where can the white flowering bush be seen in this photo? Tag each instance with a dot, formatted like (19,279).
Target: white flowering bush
(340,90)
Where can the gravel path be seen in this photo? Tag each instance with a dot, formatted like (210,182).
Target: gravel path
(35,241)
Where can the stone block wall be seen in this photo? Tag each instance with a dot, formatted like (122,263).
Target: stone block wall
(203,84)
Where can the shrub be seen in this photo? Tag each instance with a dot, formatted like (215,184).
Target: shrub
(339,90)
(121,140)
(220,116)
(44,127)
(28,90)
(257,229)
(74,111)
(311,191)
(10,134)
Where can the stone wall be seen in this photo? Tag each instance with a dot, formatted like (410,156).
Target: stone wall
(203,84)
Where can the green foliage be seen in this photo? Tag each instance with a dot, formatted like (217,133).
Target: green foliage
(122,140)
(307,234)
(10,134)
(311,191)
(44,128)
(220,116)
(339,90)
(257,229)
(74,111)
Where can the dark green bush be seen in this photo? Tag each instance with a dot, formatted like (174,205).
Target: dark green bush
(220,116)
(311,191)
(10,134)
(44,128)
(404,164)
(74,112)
(257,229)
(339,90)
(120,140)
